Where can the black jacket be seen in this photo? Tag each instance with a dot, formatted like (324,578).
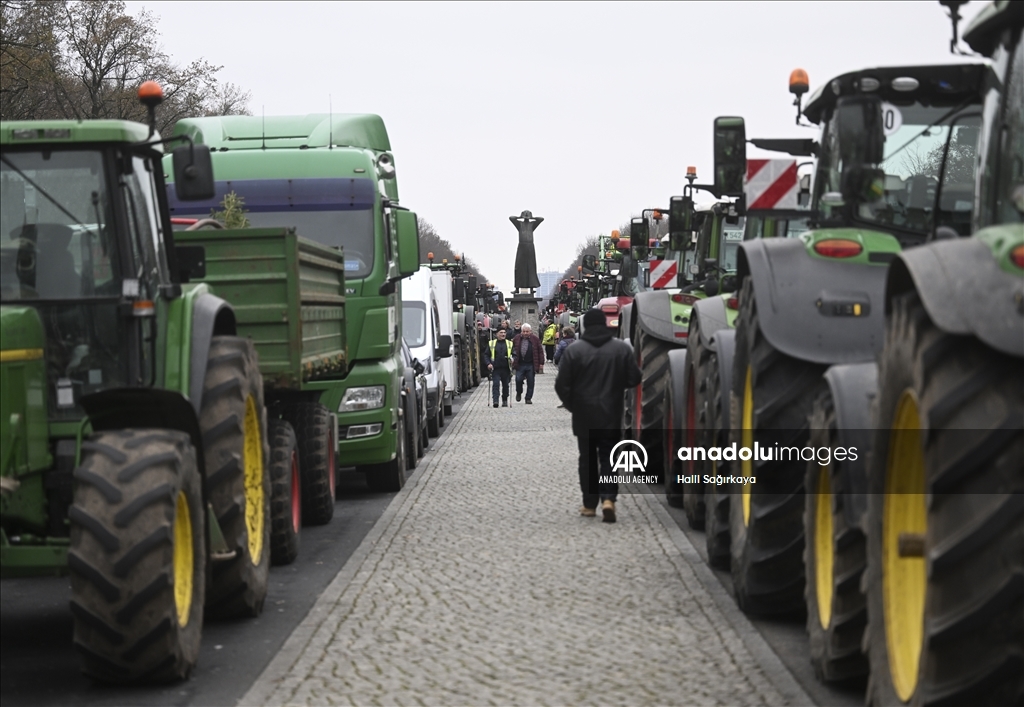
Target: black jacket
(592,377)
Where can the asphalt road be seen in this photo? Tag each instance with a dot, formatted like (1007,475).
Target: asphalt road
(40,667)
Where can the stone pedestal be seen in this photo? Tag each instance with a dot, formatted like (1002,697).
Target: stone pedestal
(525,306)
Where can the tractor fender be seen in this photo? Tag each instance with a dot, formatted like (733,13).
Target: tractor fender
(211,316)
(964,291)
(159,408)
(853,388)
(724,342)
(711,316)
(460,323)
(470,317)
(678,378)
(805,305)
(652,314)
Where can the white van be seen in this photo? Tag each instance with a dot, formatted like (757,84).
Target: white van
(441,280)
(422,329)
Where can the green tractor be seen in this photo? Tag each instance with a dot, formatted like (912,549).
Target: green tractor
(697,263)
(134,436)
(810,302)
(699,388)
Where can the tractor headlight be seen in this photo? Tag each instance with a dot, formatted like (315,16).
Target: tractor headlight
(368,397)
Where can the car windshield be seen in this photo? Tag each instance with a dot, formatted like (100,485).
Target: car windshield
(54,240)
(414,323)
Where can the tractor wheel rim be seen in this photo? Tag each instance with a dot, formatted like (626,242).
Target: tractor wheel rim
(823,558)
(904,579)
(184,559)
(747,434)
(254,495)
(296,493)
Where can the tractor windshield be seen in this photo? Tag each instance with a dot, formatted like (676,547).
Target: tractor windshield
(732,236)
(60,254)
(1002,177)
(923,144)
(55,243)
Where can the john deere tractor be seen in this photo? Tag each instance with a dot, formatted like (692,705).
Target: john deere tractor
(132,430)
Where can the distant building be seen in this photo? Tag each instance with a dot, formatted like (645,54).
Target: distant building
(549,280)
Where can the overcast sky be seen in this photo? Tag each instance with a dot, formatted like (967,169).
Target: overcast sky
(584,113)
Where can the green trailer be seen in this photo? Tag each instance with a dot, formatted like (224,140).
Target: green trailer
(332,178)
(133,433)
(288,295)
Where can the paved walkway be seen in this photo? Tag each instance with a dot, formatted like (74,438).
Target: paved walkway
(481,584)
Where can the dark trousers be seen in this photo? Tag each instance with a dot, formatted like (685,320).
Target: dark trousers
(549,351)
(595,449)
(527,373)
(500,378)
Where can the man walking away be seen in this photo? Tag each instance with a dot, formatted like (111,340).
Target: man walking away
(499,362)
(528,359)
(592,377)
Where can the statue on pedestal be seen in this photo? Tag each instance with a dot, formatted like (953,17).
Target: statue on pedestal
(526,256)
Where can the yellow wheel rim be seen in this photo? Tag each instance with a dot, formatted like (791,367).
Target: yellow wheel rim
(823,547)
(904,579)
(747,465)
(183,559)
(253,481)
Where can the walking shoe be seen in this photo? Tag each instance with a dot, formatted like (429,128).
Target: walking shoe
(519,397)
(588,512)
(608,511)
(529,402)
(504,403)
(495,404)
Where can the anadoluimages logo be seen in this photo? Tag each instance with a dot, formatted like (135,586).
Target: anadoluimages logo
(625,457)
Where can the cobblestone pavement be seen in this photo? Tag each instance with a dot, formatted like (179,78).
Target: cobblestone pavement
(481,584)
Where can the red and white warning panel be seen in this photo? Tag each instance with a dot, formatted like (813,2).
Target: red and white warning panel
(663,274)
(771,184)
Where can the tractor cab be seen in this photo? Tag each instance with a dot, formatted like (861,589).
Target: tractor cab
(83,256)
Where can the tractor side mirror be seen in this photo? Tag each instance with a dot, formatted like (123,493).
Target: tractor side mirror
(639,237)
(193,173)
(680,210)
(408,243)
(730,142)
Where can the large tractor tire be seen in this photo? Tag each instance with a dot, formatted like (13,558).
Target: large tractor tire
(774,394)
(138,556)
(834,560)
(233,422)
(389,477)
(652,398)
(701,366)
(317,461)
(716,497)
(412,440)
(945,576)
(285,493)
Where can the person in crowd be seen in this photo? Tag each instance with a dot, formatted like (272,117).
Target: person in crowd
(568,337)
(517,329)
(528,360)
(591,381)
(550,340)
(499,364)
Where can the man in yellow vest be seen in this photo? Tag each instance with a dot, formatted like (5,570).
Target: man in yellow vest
(550,340)
(499,363)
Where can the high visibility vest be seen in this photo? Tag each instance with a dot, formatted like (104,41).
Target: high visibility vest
(508,349)
(549,335)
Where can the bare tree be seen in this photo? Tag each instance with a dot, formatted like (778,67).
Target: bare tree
(432,242)
(85,60)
